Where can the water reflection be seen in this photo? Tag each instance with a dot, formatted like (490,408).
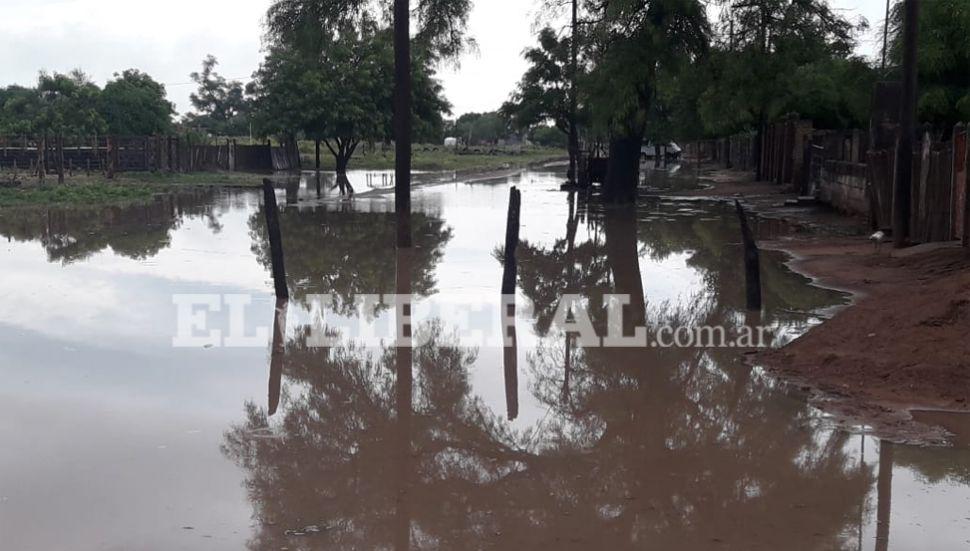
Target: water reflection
(73,234)
(338,251)
(113,436)
(678,448)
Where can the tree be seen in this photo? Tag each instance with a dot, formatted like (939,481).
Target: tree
(220,104)
(19,110)
(68,107)
(545,91)
(943,58)
(630,42)
(481,128)
(340,95)
(440,34)
(134,104)
(767,50)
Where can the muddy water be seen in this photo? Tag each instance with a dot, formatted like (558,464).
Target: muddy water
(114,439)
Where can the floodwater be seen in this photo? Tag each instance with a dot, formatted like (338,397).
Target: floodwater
(111,438)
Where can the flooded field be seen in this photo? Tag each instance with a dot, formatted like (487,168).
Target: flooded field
(112,438)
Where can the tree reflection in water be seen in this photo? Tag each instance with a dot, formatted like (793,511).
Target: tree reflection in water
(656,448)
(141,231)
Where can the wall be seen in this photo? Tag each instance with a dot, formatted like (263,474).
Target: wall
(843,185)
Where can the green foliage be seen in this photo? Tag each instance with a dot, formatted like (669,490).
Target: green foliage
(543,93)
(440,33)
(92,194)
(944,59)
(68,105)
(631,42)
(548,136)
(19,110)
(784,57)
(330,77)
(220,104)
(71,105)
(480,128)
(134,104)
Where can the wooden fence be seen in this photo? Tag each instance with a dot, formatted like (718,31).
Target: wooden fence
(111,154)
(854,171)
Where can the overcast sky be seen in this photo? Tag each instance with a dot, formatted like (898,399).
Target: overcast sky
(169,39)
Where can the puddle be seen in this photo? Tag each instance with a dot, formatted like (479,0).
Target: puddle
(554,445)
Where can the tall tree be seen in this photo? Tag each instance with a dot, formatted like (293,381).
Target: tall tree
(546,91)
(220,104)
(340,95)
(134,104)
(440,34)
(68,107)
(943,57)
(630,42)
(763,43)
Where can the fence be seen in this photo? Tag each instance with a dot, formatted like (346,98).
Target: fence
(854,171)
(142,154)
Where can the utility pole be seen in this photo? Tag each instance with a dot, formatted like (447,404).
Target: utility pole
(574,99)
(907,119)
(885,35)
(402,121)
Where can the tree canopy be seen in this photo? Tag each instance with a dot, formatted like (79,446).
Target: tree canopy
(134,104)
(220,104)
(72,104)
(329,72)
(943,56)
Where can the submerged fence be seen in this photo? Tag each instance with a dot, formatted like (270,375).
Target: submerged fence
(111,154)
(854,171)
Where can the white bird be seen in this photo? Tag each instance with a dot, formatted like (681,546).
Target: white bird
(877,239)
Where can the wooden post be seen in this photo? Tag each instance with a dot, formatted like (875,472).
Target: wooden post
(907,118)
(316,146)
(275,240)
(752,262)
(511,242)
(965,230)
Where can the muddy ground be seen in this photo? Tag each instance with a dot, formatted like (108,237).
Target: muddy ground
(902,344)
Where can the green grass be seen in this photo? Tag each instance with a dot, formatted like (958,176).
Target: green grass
(426,160)
(76,194)
(81,189)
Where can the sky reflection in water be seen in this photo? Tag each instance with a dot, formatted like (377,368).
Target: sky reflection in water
(113,439)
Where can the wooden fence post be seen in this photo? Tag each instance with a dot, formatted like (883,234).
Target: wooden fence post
(275,240)
(752,261)
(511,242)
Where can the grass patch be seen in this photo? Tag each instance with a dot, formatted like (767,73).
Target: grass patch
(76,194)
(425,159)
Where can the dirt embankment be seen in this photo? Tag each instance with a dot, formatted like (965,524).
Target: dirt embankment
(903,344)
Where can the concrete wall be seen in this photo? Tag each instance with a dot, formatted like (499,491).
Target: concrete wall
(843,185)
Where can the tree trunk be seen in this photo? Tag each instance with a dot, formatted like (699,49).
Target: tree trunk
(343,161)
(623,170)
(60,159)
(623,256)
(41,161)
(316,145)
(402,121)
